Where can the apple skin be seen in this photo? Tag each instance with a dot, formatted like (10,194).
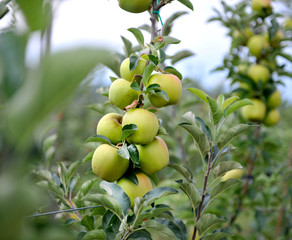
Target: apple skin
(234,173)
(135,6)
(272,118)
(110,126)
(259,72)
(275,99)
(262,7)
(121,94)
(171,84)
(255,112)
(257,44)
(108,164)
(125,71)
(133,190)
(146,122)
(153,156)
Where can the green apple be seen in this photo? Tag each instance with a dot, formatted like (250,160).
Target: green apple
(133,190)
(153,156)
(275,99)
(255,112)
(135,6)
(110,126)
(272,118)
(242,68)
(288,23)
(262,7)
(258,72)
(258,45)
(125,71)
(121,94)
(108,164)
(242,36)
(234,173)
(169,83)
(146,122)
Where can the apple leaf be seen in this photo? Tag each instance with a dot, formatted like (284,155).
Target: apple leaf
(158,230)
(172,70)
(229,101)
(217,236)
(199,93)
(127,130)
(220,100)
(162,131)
(216,111)
(134,85)
(153,59)
(222,186)
(140,235)
(138,35)
(187,3)
(171,40)
(134,153)
(192,193)
(224,167)
(158,193)
(181,55)
(94,235)
(98,138)
(147,73)
(123,152)
(134,59)
(154,87)
(168,24)
(204,127)
(206,222)
(127,46)
(131,176)
(161,94)
(183,170)
(236,105)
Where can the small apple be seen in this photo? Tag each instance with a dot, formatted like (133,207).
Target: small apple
(258,45)
(255,112)
(258,72)
(234,173)
(121,94)
(275,41)
(288,23)
(153,156)
(133,190)
(146,122)
(272,118)
(169,83)
(242,68)
(108,164)
(135,6)
(262,7)
(275,99)
(125,71)
(242,36)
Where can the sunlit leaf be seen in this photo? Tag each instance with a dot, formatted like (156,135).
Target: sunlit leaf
(199,93)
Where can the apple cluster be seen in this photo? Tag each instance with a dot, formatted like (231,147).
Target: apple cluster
(135,131)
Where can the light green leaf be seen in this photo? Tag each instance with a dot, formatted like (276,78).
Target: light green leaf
(128,130)
(158,231)
(187,3)
(172,70)
(85,188)
(199,93)
(127,46)
(220,100)
(216,111)
(170,40)
(229,101)
(88,157)
(236,105)
(147,73)
(224,167)
(184,171)
(207,222)
(94,235)
(98,138)
(138,35)
(124,152)
(193,194)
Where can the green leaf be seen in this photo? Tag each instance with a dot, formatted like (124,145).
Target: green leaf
(187,3)
(98,138)
(193,194)
(167,26)
(236,105)
(153,87)
(134,153)
(224,167)
(216,111)
(88,222)
(127,46)
(229,101)
(176,226)
(162,131)
(159,93)
(134,59)
(128,130)
(222,186)
(3,9)
(71,221)
(85,188)
(181,55)
(170,40)
(124,152)
(140,235)
(147,73)
(88,157)
(226,137)
(158,231)
(217,236)
(158,193)
(134,85)
(199,93)
(207,222)
(204,127)
(184,171)
(95,235)
(172,70)
(72,168)
(138,35)
(220,100)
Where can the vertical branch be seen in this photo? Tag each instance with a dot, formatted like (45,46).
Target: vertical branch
(153,21)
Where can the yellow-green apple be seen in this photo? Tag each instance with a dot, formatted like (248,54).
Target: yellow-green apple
(146,122)
(258,45)
(110,126)
(135,6)
(288,23)
(275,99)
(242,36)
(169,83)
(255,112)
(262,7)
(133,190)
(108,164)
(153,156)
(272,118)
(121,94)
(125,71)
(242,68)
(234,173)
(258,72)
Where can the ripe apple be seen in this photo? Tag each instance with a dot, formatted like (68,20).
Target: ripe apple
(133,190)
(275,99)
(234,173)
(108,164)
(258,72)
(262,7)
(121,94)
(110,126)
(272,118)
(153,156)
(258,45)
(125,71)
(146,122)
(169,83)
(255,112)
(135,6)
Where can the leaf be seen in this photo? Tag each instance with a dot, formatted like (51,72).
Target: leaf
(229,101)
(3,9)
(134,153)
(224,167)
(184,171)
(127,46)
(222,186)
(158,231)
(236,105)
(124,152)
(72,168)
(167,26)
(217,236)
(134,59)
(159,93)
(110,225)
(220,100)
(192,193)
(140,235)
(226,137)
(206,222)
(147,73)
(98,138)
(204,127)
(85,187)
(181,55)
(88,157)
(170,40)
(172,70)
(153,87)
(199,93)
(127,130)
(162,131)
(158,193)
(216,111)
(187,3)
(88,222)
(176,226)
(138,35)
(118,193)
(94,235)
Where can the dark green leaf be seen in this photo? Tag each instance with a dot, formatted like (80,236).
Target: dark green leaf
(217,236)
(184,171)
(187,3)
(158,193)
(134,59)
(138,35)
(140,235)
(193,194)
(128,130)
(88,222)
(134,153)
(94,235)
(154,87)
(159,93)
(172,70)
(224,167)
(176,226)
(158,231)
(207,222)
(204,127)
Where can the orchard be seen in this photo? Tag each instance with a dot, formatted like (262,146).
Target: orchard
(154,153)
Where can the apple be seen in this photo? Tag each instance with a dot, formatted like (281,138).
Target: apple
(262,7)
(270,64)
(275,41)
(153,156)
(121,94)
(133,190)
(146,122)
(255,112)
(125,71)
(272,118)
(234,173)
(242,36)
(135,6)
(258,45)
(169,83)
(258,72)
(242,68)
(275,99)
(288,23)
(108,164)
